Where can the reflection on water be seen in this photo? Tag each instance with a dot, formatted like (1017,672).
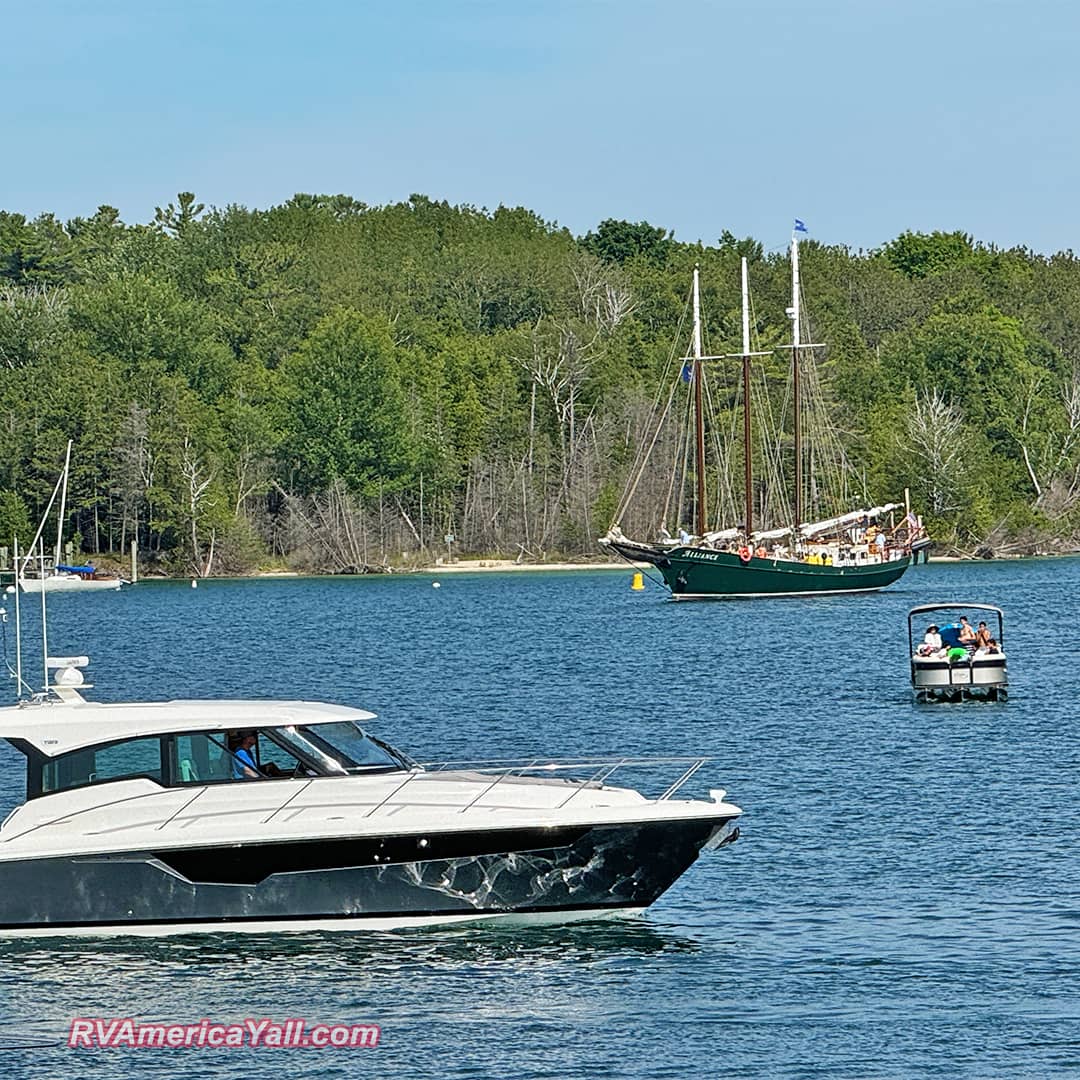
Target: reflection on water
(446,947)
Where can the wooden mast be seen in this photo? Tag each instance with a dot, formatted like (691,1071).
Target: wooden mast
(699,415)
(748,457)
(796,396)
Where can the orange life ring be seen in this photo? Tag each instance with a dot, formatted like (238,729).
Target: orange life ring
(744,553)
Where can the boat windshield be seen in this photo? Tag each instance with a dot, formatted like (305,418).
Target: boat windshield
(344,746)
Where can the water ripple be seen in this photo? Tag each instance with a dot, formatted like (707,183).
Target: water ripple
(905,899)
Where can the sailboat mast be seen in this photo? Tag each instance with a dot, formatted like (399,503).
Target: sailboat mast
(63,503)
(699,415)
(796,395)
(748,479)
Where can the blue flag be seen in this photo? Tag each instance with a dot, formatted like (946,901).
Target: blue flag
(800,226)
(688,372)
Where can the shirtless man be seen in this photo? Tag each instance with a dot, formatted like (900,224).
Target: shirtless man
(967,634)
(982,637)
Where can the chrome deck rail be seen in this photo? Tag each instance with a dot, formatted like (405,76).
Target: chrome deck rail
(600,771)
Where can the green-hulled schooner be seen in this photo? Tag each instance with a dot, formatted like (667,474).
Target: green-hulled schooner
(858,551)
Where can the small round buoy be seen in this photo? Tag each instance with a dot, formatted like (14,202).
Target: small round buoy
(194,583)
(638,583)
(436,585)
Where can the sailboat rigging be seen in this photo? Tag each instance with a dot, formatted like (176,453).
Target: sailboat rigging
(856,551)
(57,577)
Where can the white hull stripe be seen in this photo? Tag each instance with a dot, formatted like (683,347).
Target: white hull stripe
(356,925)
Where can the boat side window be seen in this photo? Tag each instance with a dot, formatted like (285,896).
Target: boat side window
(201,757)
(270,753)
(99,764)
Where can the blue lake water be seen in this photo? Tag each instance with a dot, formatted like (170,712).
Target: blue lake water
(904,901)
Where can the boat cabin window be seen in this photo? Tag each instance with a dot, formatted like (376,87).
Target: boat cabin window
(269,753)
(97,764)
(345,746)
(209,757)
(201,757)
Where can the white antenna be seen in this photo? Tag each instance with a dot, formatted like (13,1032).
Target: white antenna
(18,626)
(44,630)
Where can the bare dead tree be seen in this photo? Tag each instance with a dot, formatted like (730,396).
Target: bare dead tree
(38,316)
(933,434)
(198,479)
(604,292)
(329,530)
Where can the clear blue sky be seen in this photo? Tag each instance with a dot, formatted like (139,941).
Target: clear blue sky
(862,117)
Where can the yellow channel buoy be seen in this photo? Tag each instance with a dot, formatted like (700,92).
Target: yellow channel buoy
(638,583)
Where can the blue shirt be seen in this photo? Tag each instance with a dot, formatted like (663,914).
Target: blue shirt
(242,758)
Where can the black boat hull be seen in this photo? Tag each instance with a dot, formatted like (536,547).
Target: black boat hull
(401,880)
(693,573)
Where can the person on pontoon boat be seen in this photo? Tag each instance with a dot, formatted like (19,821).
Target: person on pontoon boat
(967,634)
(931,642)
(982,637)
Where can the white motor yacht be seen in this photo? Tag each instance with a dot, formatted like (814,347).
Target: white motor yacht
(197,816)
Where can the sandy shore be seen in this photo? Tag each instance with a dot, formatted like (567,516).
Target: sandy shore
(472,566)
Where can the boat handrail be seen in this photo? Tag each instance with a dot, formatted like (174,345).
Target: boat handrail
(603,769)
(501,768)
(538,763)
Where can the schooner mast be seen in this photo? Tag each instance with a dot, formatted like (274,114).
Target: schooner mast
(796,348)
(748,453)
(702,523)
(707,565)
(748,462)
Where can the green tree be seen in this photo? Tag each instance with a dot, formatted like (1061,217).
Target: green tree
(14,520)
(344,417)
(620,241)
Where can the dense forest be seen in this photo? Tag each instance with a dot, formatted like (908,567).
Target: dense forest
(329,385)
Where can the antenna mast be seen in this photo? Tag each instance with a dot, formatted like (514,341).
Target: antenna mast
(18,625)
